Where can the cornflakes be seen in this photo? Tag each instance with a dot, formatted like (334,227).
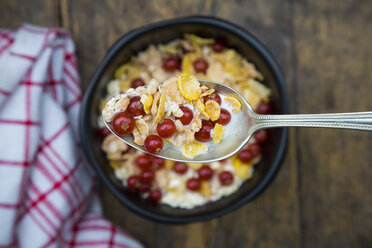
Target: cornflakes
(205,189)
(261,89)
(213,110)
(198,40)
(122,70)
(217,133)
(146,100)
(169,164)
(195,165)
(207,92)
(236,105)
(124,84)
(161,108)
(201,108)
(115,164)
(252,97)
(242,170)
(187,62)
(193,149)
(142,127)
(189,86)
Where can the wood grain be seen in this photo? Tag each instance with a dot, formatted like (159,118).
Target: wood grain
(334,75)
(320,197)
(38,12)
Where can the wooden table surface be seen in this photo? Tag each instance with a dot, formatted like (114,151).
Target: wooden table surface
(322,195)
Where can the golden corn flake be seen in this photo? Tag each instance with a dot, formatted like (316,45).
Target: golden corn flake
(252,97)
(236,105)
(201,107)
(217,133)
(114,155)
(189,86)
(195,165)
(178,188)
(146,100)
(124,85)
(187,62)
(142,126)
(103,105)
(115,164)
(260,88)
(242,170)
(193,149)
(207,93)
(213,110)
(198,40)
(169,164)
(171,47)
(161,108)
(122,70)
(205,189)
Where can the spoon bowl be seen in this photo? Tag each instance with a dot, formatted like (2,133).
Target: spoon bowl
(237,137)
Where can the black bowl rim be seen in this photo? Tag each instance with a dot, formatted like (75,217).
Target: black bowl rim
(87,99)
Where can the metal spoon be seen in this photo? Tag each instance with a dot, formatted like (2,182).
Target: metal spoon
(250,122)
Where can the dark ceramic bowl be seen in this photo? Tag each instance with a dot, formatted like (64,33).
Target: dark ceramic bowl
(162,32)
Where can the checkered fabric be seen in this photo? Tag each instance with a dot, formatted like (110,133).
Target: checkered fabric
(47,196)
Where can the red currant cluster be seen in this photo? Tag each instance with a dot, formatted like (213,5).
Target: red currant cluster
(204,134)
(143,183)
(123,123)
(200,65)
(253,150)
(205,173)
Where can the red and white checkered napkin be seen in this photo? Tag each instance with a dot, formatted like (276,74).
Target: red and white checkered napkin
(47,197)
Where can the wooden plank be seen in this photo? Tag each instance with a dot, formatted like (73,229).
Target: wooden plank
(334,75)
(39,12)
(269,221)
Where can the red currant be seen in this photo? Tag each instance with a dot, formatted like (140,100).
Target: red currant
(264,108)
(255,149)
(155,195)
(261,136)
(219,45)
(166,128)
(123,123)
(193,184)
(157,163)
(133,182)
(226,178)
(187,116)
(205,172)
(172,63)
(180,168)
(144,187)
(225,117)
(204,134)
(143,162)
(135,107)
(245,156)
(200,65)
(103,132)
(153,144)
(213,97)
(147,176)
(137,82)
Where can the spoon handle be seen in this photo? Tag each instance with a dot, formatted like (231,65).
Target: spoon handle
(355,121)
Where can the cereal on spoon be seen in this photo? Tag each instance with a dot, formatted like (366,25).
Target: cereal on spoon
(178,184)
(179,111)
